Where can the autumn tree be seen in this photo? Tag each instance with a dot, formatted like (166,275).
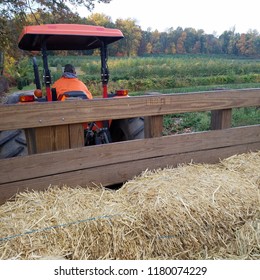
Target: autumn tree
(16,14)
(229,41)
(132,32)
(241,44)
(155,41)
(225,38)
(145,38)
(21,8)
(257,45)
(252,36)
(197,47)
(191,39)
(180,47)
(171,41)
(100,19)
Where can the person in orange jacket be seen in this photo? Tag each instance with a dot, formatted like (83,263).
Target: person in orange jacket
(70,82)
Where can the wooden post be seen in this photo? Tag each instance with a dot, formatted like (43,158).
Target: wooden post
(153,126)
(221,119)
(54,138)
(76,135)
(47,139)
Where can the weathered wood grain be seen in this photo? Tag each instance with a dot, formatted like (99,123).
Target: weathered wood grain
(221,119)
(54,138)
(153,126)
(60,162)
(76,135)
(80,111)
(120,172)
(47,139)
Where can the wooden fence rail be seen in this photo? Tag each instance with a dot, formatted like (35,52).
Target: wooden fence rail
(72,112)
(73,164)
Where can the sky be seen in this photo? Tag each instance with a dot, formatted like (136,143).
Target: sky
(211,16)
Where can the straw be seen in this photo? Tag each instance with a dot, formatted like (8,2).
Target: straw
(194,211)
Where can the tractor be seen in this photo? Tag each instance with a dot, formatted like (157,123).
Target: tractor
(59,37)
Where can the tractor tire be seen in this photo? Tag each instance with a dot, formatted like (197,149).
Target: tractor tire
(127,129)
(12,142)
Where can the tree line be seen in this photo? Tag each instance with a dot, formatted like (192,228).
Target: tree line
(177,41)
(137,42)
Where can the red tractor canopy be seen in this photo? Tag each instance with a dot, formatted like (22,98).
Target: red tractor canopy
(67,37)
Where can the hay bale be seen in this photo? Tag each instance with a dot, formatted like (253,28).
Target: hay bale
(191,212)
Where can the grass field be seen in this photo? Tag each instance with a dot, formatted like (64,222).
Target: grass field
(168,73)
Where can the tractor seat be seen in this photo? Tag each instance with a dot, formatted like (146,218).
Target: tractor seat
(74,94)
(69,95)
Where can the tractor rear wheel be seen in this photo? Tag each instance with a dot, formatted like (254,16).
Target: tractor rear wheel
(12,142)
(127,129)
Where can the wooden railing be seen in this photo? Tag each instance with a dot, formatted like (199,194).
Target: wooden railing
(55,138)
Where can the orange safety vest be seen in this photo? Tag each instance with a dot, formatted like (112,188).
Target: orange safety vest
(70,84)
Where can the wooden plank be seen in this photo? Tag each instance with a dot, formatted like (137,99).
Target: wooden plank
(76,135)
(221,119)
(153,126)
(60,137)
(55,138)
(30,140)
(120,172)
(80,111)
(47,139)
(40,165)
